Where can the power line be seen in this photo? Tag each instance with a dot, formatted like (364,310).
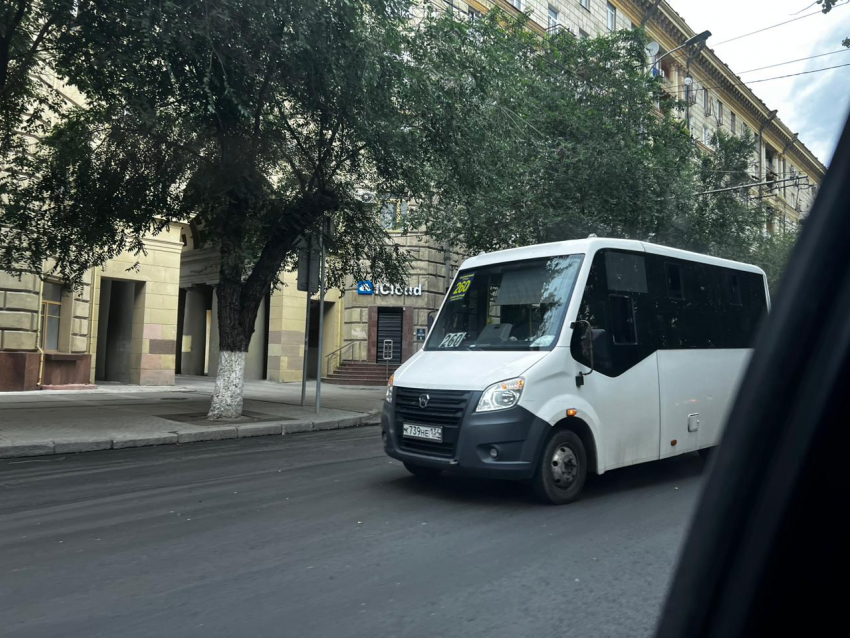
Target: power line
(811,57)
(773,26)
(742,186)
(778,77)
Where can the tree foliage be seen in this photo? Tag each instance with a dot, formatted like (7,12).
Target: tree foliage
(582,139)
(28,31)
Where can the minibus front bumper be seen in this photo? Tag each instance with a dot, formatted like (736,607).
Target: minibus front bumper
(499,444)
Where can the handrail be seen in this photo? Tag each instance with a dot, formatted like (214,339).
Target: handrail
(338,350)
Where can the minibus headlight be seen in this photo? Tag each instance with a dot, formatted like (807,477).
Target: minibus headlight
(501,395)
(390,388)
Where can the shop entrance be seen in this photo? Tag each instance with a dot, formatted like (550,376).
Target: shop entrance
(389,327)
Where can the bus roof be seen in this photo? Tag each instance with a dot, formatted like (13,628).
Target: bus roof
(593,244)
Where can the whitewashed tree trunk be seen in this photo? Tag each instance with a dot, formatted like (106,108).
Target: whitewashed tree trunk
(227,397)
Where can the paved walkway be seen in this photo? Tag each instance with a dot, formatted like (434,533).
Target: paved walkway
(112,417)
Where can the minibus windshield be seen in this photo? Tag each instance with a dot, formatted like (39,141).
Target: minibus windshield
(516,305)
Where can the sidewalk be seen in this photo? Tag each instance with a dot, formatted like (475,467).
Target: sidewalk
(114,417)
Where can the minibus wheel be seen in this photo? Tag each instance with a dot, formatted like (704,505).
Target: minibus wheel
(420,471)
(562,469)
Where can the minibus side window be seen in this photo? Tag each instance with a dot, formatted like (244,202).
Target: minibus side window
(622,320)
(675,287)
(733,281)
(617,304)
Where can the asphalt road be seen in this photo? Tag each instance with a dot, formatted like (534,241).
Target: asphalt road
(320,535)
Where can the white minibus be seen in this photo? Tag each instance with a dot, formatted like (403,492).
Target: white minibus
(549,362)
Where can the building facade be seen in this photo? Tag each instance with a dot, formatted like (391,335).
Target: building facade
(145,319)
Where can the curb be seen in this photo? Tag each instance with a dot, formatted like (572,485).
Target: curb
(72,446)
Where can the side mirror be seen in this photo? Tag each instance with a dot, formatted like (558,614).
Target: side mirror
(587,338)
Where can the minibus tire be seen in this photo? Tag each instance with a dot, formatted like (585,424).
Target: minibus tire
(565,448)
(420,471)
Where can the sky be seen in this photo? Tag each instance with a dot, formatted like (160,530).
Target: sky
(815,105)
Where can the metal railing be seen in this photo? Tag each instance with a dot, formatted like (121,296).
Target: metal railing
(336,353)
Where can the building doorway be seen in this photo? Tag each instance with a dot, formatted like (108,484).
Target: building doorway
(389,329)
(315,361)
(115,319)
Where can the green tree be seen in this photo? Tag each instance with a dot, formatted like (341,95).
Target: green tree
(722,216)
(588,143)
(772,253)
(28,33)
(256,119)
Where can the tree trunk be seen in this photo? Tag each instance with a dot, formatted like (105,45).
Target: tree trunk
(236,317)
(239,299)
(227,397)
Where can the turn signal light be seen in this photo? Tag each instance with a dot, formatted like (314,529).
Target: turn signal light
(572,412)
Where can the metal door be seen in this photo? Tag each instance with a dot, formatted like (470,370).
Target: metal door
(389,329)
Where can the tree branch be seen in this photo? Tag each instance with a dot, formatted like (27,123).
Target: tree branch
(6,44)
(261,97)
(345,158)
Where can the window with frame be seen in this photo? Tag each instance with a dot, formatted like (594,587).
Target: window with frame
(706,102)
(474,14)
(393,214)
(706,135)
(733,122)
(617,305)
(51,310)
(612,17)
(516,3)
(553,20)
(690,91)
(720,113)
(585,4)
(584,35)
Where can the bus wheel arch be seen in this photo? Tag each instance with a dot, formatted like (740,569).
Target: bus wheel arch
(582,429)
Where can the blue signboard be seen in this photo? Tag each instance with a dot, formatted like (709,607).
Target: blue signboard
(365,288)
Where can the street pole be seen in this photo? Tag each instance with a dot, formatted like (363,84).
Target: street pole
(307,323)
(697,39)
(321,321)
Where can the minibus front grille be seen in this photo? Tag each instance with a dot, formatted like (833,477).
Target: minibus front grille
(442,407)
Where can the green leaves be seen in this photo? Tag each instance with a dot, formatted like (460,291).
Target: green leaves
(566,137)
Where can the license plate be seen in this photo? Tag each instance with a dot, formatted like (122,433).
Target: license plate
(425,432)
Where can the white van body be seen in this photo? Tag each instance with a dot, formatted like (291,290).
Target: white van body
(671,333)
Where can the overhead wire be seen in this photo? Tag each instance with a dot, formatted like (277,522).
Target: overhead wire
(778,77)
(773,26)
(811,57)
